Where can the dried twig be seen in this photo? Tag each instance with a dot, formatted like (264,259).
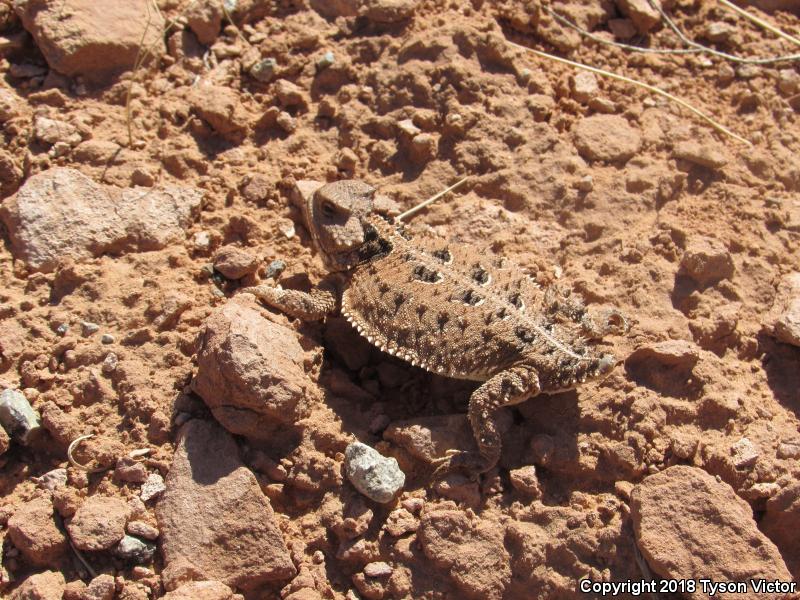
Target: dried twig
(136,64)
(596,38)
(718,126)
(75,463)
(696,48)
(725,55)
(430,200)
(232,22)
(144,54)
(761,22)
(84,562)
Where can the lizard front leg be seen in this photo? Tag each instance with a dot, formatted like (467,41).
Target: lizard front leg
(311,306)
(508,387)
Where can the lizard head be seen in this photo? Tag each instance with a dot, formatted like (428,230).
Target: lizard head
(337,220)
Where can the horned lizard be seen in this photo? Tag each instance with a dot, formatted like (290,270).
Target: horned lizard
(447,309)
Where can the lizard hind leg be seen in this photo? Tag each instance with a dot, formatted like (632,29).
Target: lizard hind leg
(508,387)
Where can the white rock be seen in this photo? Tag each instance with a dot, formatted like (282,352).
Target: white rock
(153,487)
(51,131)
(378,569)
(744,452)
(584,86)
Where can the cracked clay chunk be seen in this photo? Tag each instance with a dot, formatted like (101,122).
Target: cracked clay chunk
(688,525)
(214,520)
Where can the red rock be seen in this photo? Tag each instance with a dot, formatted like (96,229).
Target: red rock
(471,552)
(689,525)
(705,155)
(235,263)
(644,16)
(201,590)
(289,94)
(214,520)
(221,107)
(204,18)
(41,586)
(250,371)
(33,531)
(99,523)
(388,11)
(785,315)
(609,138)
(707,261)
(781,524)
(93,38)
(101,587)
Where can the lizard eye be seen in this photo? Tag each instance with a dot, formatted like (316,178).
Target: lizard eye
(328,209)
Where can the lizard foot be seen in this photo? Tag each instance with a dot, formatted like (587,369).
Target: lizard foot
(470,464)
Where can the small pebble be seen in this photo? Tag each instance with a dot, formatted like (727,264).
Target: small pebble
(135,550)
(153,487)
(585,184)
(325,61)
(263,70)
(142,530)
(88,328)
(377,477)
(62,329)
(17,415)
(378,569)
(53,480)
(275,268)
(107,338)
(744,452)
(109,363)
(201,240)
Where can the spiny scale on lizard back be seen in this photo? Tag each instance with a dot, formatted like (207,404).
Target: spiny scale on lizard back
(453,310)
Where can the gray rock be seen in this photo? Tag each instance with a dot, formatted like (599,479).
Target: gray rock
(17,416)
(263,70)
(134,550)
(107,338)
(377,477)
(275,268)
(88,328)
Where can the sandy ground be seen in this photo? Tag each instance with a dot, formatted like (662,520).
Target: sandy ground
(612,191)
